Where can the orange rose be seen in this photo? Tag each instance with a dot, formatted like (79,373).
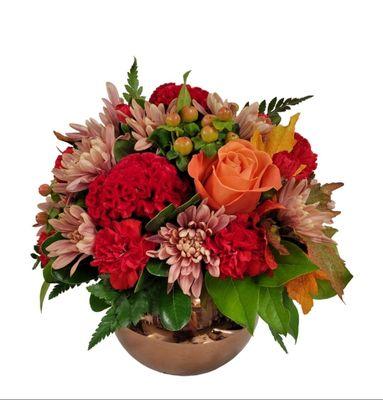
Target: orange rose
(235,177)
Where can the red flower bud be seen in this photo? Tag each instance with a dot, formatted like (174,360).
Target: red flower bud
(41,218)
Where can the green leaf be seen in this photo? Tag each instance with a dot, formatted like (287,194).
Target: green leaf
(291,266)
(51,239)
(182,163)
(58,289)
(133,88)
(155,223)
(161,137)
(191,128)
(184,98)
(294,316)
(210,149)
(122,148)
(145,281)
(47,272)
(278,338)
(198,143)
(172,154)
(132,309)
(157,267)
(174,309)
(221,125)
(262,107)
(326,291)
(107,325)
(84,273)
(97,304)
(272,309)
(191,202)
(43,293)
(102,290)
(236,299)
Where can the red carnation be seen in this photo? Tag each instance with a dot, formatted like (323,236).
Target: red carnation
(301,155)
(42,257)
(120,251)
(169,91)
(60,157)
(124,112)
(242,249)
(141,185)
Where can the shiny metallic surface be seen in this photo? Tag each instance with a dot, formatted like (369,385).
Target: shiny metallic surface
(196,353)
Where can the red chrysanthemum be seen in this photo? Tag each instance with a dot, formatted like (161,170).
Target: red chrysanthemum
(120,251)
(140,185)
(242,249)
(169,91)
(60,157)
(124,109)
(42,257)
(301,156)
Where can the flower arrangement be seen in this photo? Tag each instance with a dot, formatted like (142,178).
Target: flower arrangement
(185,199)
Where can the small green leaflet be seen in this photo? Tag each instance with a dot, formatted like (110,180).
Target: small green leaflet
(58,289)
(157,267)
(278,338)
(277,106)
(133,88)
(184,98)
(107,325)
(103,291)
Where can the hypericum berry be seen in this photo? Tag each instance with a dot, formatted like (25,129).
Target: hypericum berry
(207,119)
(189,114)
(173,119)
(209,134)
(183,145)
(45,189)
(42,218)
(224,114)
(231,136)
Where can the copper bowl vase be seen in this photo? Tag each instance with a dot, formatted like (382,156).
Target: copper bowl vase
(201,352)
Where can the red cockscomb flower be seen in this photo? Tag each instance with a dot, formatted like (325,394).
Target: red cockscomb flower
(120,251)
(168,91)
(60,157)
(124,111)
(301,159)
(140,185)
(242,249)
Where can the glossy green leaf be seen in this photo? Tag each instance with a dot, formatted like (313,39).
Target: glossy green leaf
(84,273)
(102,290)
(47,273)
(278,338)
(157,267)
(97,304)
(191,202)
(221,125)
(236,299)
(294,316)
(144,281)
(174,309)
(43,293)
(155,223)
(291,266)
(272,309)
(122,148)
(51,239)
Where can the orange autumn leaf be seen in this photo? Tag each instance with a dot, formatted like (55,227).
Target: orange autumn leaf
(303,288)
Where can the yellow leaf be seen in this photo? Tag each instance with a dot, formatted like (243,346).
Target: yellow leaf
(256,141)
(281,138)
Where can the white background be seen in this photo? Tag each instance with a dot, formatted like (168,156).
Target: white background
(55,58)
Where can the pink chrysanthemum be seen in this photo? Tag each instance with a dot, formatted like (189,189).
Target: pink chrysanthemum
(183,246)
(306,219)
(90,158)
(79,233)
